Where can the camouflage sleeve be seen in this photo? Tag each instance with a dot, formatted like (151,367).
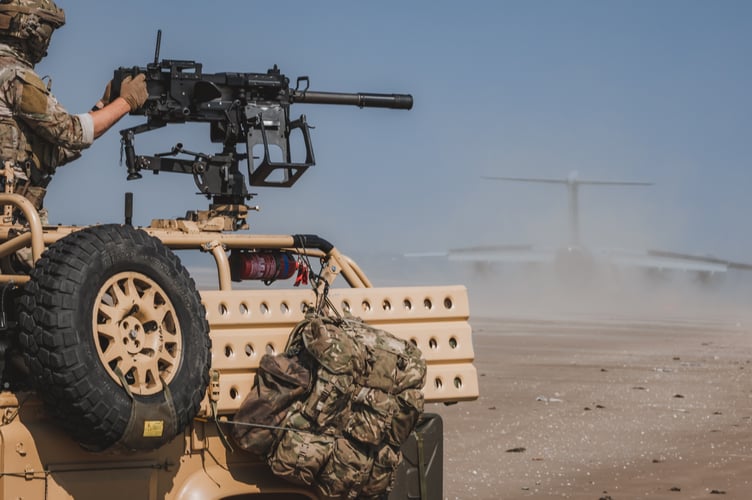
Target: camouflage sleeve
(38,108)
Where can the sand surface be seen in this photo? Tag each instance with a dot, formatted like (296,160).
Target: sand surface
(604,408)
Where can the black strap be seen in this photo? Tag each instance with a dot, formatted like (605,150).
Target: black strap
(421,466)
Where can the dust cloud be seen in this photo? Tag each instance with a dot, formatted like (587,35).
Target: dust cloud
(545,292)
(604,218)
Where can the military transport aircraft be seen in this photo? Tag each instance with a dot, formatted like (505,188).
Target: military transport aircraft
(574,258)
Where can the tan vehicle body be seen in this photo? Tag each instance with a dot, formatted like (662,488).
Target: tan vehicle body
(40,461)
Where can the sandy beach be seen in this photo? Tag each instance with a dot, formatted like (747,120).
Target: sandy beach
(604,407)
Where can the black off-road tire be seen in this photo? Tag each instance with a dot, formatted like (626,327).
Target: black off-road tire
(107,306)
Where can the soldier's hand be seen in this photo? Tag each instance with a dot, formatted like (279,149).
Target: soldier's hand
(133,90)
(106,98)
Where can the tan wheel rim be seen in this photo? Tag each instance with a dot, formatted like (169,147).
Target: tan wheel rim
(136,333)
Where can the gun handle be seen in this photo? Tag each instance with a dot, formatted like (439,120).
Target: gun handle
(118,77)
(130,154)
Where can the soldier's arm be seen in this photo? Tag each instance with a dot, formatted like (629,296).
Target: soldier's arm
(106,117)
(39,109)
(70,134)
(107,111)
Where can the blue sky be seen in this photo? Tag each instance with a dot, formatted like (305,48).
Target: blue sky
(617,90)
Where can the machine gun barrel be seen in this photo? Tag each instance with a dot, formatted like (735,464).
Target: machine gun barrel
(391,101)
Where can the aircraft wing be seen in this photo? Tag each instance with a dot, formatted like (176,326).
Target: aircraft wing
(659,260)
(520,254)
(670,261)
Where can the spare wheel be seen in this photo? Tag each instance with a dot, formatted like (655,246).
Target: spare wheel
(116,338)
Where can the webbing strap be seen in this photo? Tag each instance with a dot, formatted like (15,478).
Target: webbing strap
(213,405)
(123,382)
(421,466)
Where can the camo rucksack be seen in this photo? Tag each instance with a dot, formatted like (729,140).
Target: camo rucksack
(280,381)
(343,435)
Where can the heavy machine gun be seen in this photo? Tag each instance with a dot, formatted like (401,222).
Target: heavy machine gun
(241,108)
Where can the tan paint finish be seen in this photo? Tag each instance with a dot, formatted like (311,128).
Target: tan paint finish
(39,461)
(136,332)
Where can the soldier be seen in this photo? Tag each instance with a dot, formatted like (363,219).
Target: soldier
(37,134)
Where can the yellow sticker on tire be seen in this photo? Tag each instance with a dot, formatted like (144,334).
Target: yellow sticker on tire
(153,428)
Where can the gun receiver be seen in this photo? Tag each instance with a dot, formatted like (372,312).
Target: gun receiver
(241,108)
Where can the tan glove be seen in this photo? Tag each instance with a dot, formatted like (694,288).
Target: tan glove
(133,90)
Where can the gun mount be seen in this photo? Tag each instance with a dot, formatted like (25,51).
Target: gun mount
(241,108)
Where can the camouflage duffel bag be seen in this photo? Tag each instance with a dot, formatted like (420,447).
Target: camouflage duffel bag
(366,378)
(392,364)
(376,416)
(356,472)
(336,466)
(388,398)
(335,407)
(366,394)
(301,451)
(280,380)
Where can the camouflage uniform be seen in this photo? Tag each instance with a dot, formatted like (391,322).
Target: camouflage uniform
(36,133)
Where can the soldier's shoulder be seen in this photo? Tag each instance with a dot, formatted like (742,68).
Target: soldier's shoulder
(7,69)
(30,77)
(10,69)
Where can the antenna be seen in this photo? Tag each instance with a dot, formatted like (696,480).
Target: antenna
(159,46)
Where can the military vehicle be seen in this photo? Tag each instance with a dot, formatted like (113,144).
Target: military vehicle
(121,378)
